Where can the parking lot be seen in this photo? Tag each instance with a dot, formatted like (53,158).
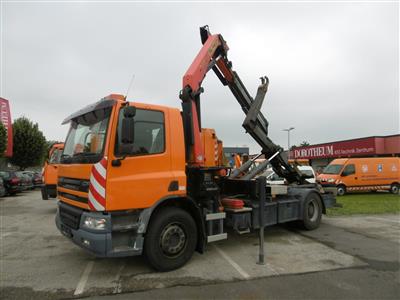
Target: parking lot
(38,262)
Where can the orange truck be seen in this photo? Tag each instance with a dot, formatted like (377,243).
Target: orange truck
(362,174)
(50,170)
(138,178)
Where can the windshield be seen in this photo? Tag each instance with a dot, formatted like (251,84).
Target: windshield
(307,173)
(55,156)
(85,140)
(332,169)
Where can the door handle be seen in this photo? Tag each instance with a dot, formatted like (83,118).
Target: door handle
(355,177)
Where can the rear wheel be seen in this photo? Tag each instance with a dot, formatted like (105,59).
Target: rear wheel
(394,188)
(312,212)
(171,239)
(341,190)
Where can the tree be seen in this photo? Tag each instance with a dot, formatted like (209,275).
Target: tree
(304,144)
(3,139)
(29,144)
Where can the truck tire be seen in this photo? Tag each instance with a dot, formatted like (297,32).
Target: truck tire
(171,239)
(341,190)
(394,188)
(312,212)
(45,195)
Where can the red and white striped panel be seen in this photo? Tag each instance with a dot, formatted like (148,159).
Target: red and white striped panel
(216,152)
(97,186)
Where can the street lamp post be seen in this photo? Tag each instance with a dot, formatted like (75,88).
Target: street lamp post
(288,139)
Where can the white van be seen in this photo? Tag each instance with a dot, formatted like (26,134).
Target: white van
(309,171)
(273,178)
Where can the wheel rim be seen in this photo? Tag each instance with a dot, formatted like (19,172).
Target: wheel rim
(173,239)
(312,210)
(340,191)
(395,189)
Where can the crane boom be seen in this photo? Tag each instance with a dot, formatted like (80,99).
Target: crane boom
(213,55)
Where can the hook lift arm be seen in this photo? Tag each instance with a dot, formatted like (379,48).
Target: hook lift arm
(213,55)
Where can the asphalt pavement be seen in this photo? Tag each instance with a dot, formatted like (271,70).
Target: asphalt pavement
(347,258)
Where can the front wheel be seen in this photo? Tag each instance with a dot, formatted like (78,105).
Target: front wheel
(341,190)
(394,188)
(45,195)
(171,239)
(312,212)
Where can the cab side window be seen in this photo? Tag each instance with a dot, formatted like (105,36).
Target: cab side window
(55,156)
(149,134)
(349,170)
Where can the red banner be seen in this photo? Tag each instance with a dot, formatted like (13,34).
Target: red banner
(361,147)
(5,118)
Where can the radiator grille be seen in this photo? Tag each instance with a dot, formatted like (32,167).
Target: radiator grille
(70,216)
(80,185)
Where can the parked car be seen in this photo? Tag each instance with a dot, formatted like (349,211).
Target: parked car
(26,180)
(36,178)
(11,181)
(2,188)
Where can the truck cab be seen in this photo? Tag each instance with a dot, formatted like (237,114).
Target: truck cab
(50,171)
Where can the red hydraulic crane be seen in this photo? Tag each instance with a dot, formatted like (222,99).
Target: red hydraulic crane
(213,55)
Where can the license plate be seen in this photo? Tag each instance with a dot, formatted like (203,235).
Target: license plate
(66,231)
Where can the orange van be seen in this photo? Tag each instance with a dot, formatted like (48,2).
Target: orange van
(362,174)
(50,170)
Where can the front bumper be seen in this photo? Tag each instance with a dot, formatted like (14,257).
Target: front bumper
(105,243)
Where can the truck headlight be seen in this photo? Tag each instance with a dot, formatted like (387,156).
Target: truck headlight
(331,180)
(94,223)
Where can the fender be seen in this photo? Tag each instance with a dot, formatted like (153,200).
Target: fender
(302,193)
(188,204)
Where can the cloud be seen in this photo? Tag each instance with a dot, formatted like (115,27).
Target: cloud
(333,67)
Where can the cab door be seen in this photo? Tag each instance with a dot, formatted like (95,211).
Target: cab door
(349,176)
(51,167)
(139,172)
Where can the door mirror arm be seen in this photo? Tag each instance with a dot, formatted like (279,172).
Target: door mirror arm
(117,162)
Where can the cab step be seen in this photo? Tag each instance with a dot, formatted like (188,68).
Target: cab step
(217,237)
(215,227)
(242,231)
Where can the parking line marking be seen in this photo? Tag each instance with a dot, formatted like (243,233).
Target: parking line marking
(85,275)
(118,287)
(233,263)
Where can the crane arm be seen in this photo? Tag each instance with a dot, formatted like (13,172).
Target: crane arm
(213,55)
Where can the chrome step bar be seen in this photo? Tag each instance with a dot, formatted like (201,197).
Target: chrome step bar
(219,234)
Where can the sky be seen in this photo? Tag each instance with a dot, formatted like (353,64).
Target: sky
(333,67)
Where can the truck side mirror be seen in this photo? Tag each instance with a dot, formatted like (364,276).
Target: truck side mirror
(128,125)
(129,112)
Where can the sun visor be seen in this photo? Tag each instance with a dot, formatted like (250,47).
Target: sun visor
(90,108)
